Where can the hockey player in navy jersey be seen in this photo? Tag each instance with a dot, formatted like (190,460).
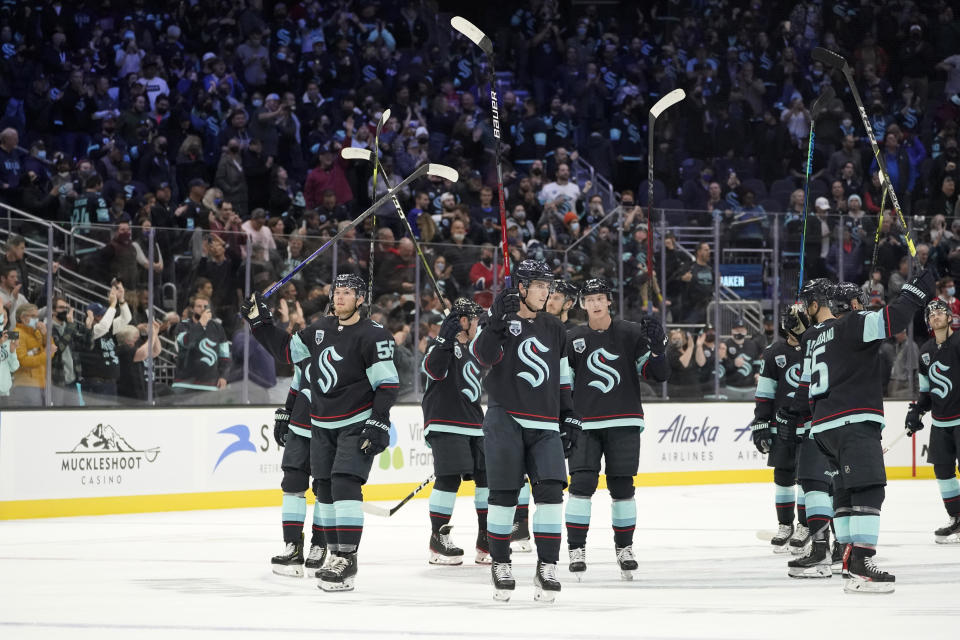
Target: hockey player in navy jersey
(565,295)
(453,428)
(777,382)
(353,385)
(608,358)
(938,355)
(530,425)
(842,379)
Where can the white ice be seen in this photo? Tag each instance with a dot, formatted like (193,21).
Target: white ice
(703,574)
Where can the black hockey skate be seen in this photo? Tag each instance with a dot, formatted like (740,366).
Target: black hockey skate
(503,582)
(290,562)
(339,575)
(836,559)
(864,575)
(781,540)
(520,536)
(816,564)
(442,549)
(483,548)
(800,540)
(627,561)
(578,562)
(545,583)
(949,534)
(316,557)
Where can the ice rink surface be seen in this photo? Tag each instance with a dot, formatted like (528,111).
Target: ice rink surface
(703,574)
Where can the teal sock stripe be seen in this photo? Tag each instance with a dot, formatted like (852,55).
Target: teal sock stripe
(349,513)
(317,515)
(801,496)
(500,520)
(328,514)
(480,497)
(865,529)
(784,494)
(524,497)
(949,488)
(442,502)
(624,513)
(842,526)
(548,518)
(578,510)
(819,503)
(294,508)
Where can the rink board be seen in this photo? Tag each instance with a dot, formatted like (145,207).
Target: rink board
(91,462)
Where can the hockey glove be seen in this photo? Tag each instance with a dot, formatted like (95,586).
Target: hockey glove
(281,426)
(506,302)
(921,288)
(787,425)
(655,335)
(449,330)
(913,423)
(375,436)
(255,311)
(570,428)
(762,438)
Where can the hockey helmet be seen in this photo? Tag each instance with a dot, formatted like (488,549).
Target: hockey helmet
(819,290)
(351,281)
(466,308)
(530,270)
(593,286)
(569,290)
(844,293)
(936,306)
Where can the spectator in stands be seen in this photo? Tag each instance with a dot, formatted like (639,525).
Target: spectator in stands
(221,266)
(396,273)
(10,295)
(30,379)
(204,355)
(897,279)
(11,166)
(133,348)
(874,289)
(946,291)
(561,193)
(903,373)
(327,174)
(684,354)
(120,257)
(482,276)
(99,360)
(700,286)
(260,241)
(8,362)
(231,178)
(14,256)
(71,339)
(847,153)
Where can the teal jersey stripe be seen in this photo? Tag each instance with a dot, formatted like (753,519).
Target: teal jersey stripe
(801,496)
(349,513)
(336,424)
(293,508)
(874,328)
(842,526)
(784,494)
(566,374)
(383,372)
(298,350)
(295,383)
(439,427)
(328,514)
(614,422)
(642,360)
(924,383)
(224,349)
(945,423)
(195,387)
(526,423)
(865,529)
(300,431)
(853,417)
(578,510)
(766,388)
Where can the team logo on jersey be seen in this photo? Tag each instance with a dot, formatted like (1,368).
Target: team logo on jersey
(470,375)
(318,336)
(528,354)
(515,327)
(327,373)
(781,361)
(926,359)
(941,384)
(579,345)
(732,350)
(597,364)
(209,350)
(457,352)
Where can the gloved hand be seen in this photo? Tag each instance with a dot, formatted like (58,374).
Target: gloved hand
(762,438)
(256,311)
(921,288)
(913,422)
(787,422)
(506,302)
(375,436)
(655,335)
(570,428)
(449,330)
(281,426)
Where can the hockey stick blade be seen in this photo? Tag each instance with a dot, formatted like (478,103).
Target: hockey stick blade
(383,512)
(820,104)
(766,536)
(828,58)
(470,30)
(893,442)
(375,510)
(666,102)
(356,153)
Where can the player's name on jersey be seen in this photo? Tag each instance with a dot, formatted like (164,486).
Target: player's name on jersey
(826,336)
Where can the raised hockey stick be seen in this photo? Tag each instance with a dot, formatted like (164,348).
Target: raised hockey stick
(480,39)
(836,61)
(440,170)
(384,512)
(352,153)
(876,236)
(661,105)
(815,110)
(373,232)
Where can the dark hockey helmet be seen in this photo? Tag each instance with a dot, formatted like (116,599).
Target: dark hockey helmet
(936,306)
(819,290)
(844,293)
(794,320)
(569,290)
(595,285)
(351,281)
(530,270)
(464,307)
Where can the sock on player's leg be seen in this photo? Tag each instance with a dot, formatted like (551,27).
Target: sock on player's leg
(548,520)
(801,506)
(500,515)
(443,497)
(294,512)
(577,520)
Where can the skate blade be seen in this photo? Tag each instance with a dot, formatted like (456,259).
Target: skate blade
(782,548)
(542,595)
(440,559)
(853,585)
(837,569)
(626,574)
(800,551)
(951,539)
(330,587)
(818,571)
(521,546)
(502,595)
(288,570)
(482,557)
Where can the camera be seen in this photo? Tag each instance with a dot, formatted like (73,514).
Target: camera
(12,335)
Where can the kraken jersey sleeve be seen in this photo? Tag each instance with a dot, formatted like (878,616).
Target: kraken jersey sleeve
(451,401)
(778,379)
(298,399)
(938,367)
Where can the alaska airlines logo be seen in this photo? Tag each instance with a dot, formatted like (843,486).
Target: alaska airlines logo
(942,385)
(209,350)
(597,363)
(327,374)
(527,353)
(470,373)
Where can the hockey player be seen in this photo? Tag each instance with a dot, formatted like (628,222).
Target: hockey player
(291,430)
(352,388)
(564,297)
(777,382)
(842,368)
(530,425)
(940,354)
(453,428)
(607,359)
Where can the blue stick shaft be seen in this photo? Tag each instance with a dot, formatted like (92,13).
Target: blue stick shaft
(806,203)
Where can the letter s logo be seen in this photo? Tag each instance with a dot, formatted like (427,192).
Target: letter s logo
(470,373)
(597,364)
(942,384)
(327,373)
(527,352)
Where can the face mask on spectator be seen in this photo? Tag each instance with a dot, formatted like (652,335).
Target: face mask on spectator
(459,237)
(32,323)
(520,215)
(575,227)
(951,291)
(486,260)
(257,102)
(123,238)
(41,154)
(281,56)
(544,234)
(62,316)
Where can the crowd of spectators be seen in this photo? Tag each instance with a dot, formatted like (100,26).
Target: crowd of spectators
(211,130)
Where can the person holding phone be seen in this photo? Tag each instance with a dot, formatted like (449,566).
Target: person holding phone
(204,355)
(9,341)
